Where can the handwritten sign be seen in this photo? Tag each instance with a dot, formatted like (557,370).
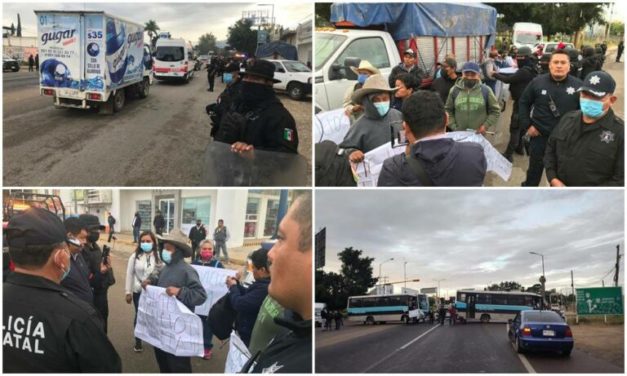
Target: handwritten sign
(331,125)
(214,282)
(369,170)
(238,355)
(168,324)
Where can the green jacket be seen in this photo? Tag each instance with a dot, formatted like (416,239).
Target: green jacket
(469,110)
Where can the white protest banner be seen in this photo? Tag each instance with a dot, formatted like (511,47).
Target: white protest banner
(214,282)
(331,125)
(238,355)
(168,324)
(368,171)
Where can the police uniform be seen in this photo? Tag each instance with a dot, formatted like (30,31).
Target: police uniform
(542,104)
(581,154)
(46,328)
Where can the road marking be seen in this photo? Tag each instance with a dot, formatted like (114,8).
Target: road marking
(399,349)
(526,364)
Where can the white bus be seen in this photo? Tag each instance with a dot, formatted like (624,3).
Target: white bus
(372,309)
(494,305)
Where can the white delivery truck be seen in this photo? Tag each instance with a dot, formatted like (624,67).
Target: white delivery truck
(174,60)
(91,59)
(526,34)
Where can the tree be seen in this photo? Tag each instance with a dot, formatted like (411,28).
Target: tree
(537,288)
(505,286)
(242,37)
(355,278)
(19,25)
(152,28)
(323,14)
(206,43)
(617,28)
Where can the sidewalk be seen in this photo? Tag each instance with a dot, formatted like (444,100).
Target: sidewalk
(123,246)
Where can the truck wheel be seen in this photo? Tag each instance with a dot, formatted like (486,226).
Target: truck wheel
(143,88)
(119,98)
(16,68)
(295,91)
(485,318)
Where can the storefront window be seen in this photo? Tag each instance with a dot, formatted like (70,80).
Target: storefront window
(195,208)
(143,207)
(271,216)
(252,212)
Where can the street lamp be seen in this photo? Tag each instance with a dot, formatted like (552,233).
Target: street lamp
(381,263)
(542,279)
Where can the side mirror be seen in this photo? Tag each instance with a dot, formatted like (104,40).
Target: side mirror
(280,70)
(336,73)
(351,62)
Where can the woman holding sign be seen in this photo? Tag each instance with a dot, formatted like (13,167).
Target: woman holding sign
(144,262)
(205,258)
(181,281)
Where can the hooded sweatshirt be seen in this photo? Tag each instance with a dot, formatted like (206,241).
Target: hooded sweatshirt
(179,274)
(446,162)
(371,130)
(469,109)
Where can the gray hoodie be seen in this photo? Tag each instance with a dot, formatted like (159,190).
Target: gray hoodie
(179,274)
(371,130)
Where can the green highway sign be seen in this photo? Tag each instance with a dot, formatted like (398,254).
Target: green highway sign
(600,301)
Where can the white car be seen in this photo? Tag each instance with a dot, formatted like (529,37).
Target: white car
(295,78)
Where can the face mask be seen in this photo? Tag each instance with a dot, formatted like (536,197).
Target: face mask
(591,108)
(470,83)
(66,272)
(146,247)
(206,255)
(166,256)
(361,78)
(228,78)
(382,107)
(197,223)
(93,236)
(253,93)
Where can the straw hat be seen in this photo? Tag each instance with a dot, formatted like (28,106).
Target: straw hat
(365,65)
(177,239)
(374,84)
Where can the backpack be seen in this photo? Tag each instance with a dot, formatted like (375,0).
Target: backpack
(484,91)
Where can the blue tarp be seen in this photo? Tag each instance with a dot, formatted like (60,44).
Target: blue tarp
(286,50)
(407,20)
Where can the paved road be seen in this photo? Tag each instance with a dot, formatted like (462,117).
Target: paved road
(121,330)
(157,141)
(500,140)
(424,348)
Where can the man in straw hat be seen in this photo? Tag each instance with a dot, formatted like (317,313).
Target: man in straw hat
(363,71)
(181,281)
(373,128)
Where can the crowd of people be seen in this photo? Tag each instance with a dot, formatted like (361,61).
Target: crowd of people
(56,308)
(247,114)
(562,118)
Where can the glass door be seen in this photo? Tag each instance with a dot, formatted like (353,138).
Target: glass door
(167,207)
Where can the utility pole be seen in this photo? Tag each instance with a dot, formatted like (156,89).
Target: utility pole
(617,265)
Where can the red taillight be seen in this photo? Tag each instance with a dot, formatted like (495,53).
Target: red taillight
(525,331)
(48,92)
(94,96)
(569,333)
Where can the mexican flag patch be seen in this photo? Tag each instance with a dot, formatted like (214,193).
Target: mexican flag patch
(288,134)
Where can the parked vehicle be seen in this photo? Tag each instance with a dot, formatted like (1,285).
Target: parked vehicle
(174,60)
(417,26)
(204,59)
(526,34)
(91,59)
(295,78)
(318,318)
(540,331)
(9,64)
(549,47)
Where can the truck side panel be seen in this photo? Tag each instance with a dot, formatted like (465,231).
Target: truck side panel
(124,53)
(95,66)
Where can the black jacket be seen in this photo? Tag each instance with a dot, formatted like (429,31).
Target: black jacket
(517,81)
(446,162)
(287,353)
(137,222)
(77,280)
(270,127)
(537,96)
(247,302)
(590,64)
(442,85)
(332,170)
(93,257)
(111,222)
(159,222)
(587,154)
(196,235)
(400,69)
(51,330)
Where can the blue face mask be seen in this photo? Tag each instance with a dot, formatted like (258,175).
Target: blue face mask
(228,78)
(361,78)
(146,247)
(382,107)
(66,272)
(591,108)
(166,256)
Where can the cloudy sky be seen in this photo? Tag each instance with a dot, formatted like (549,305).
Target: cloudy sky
(182,19)
(473,238)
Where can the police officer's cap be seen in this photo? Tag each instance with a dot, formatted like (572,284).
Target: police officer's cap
(599,84)
(90,222)
(35,227)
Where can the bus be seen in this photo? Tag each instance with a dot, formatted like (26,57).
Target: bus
(494,305)
(372,309)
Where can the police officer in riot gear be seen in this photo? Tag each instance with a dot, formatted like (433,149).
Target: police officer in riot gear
(46,328)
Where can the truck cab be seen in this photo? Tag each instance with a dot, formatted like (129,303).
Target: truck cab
(337,50)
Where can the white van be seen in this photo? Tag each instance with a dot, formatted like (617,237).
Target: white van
(174,60)
(526,34)
(318,318)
